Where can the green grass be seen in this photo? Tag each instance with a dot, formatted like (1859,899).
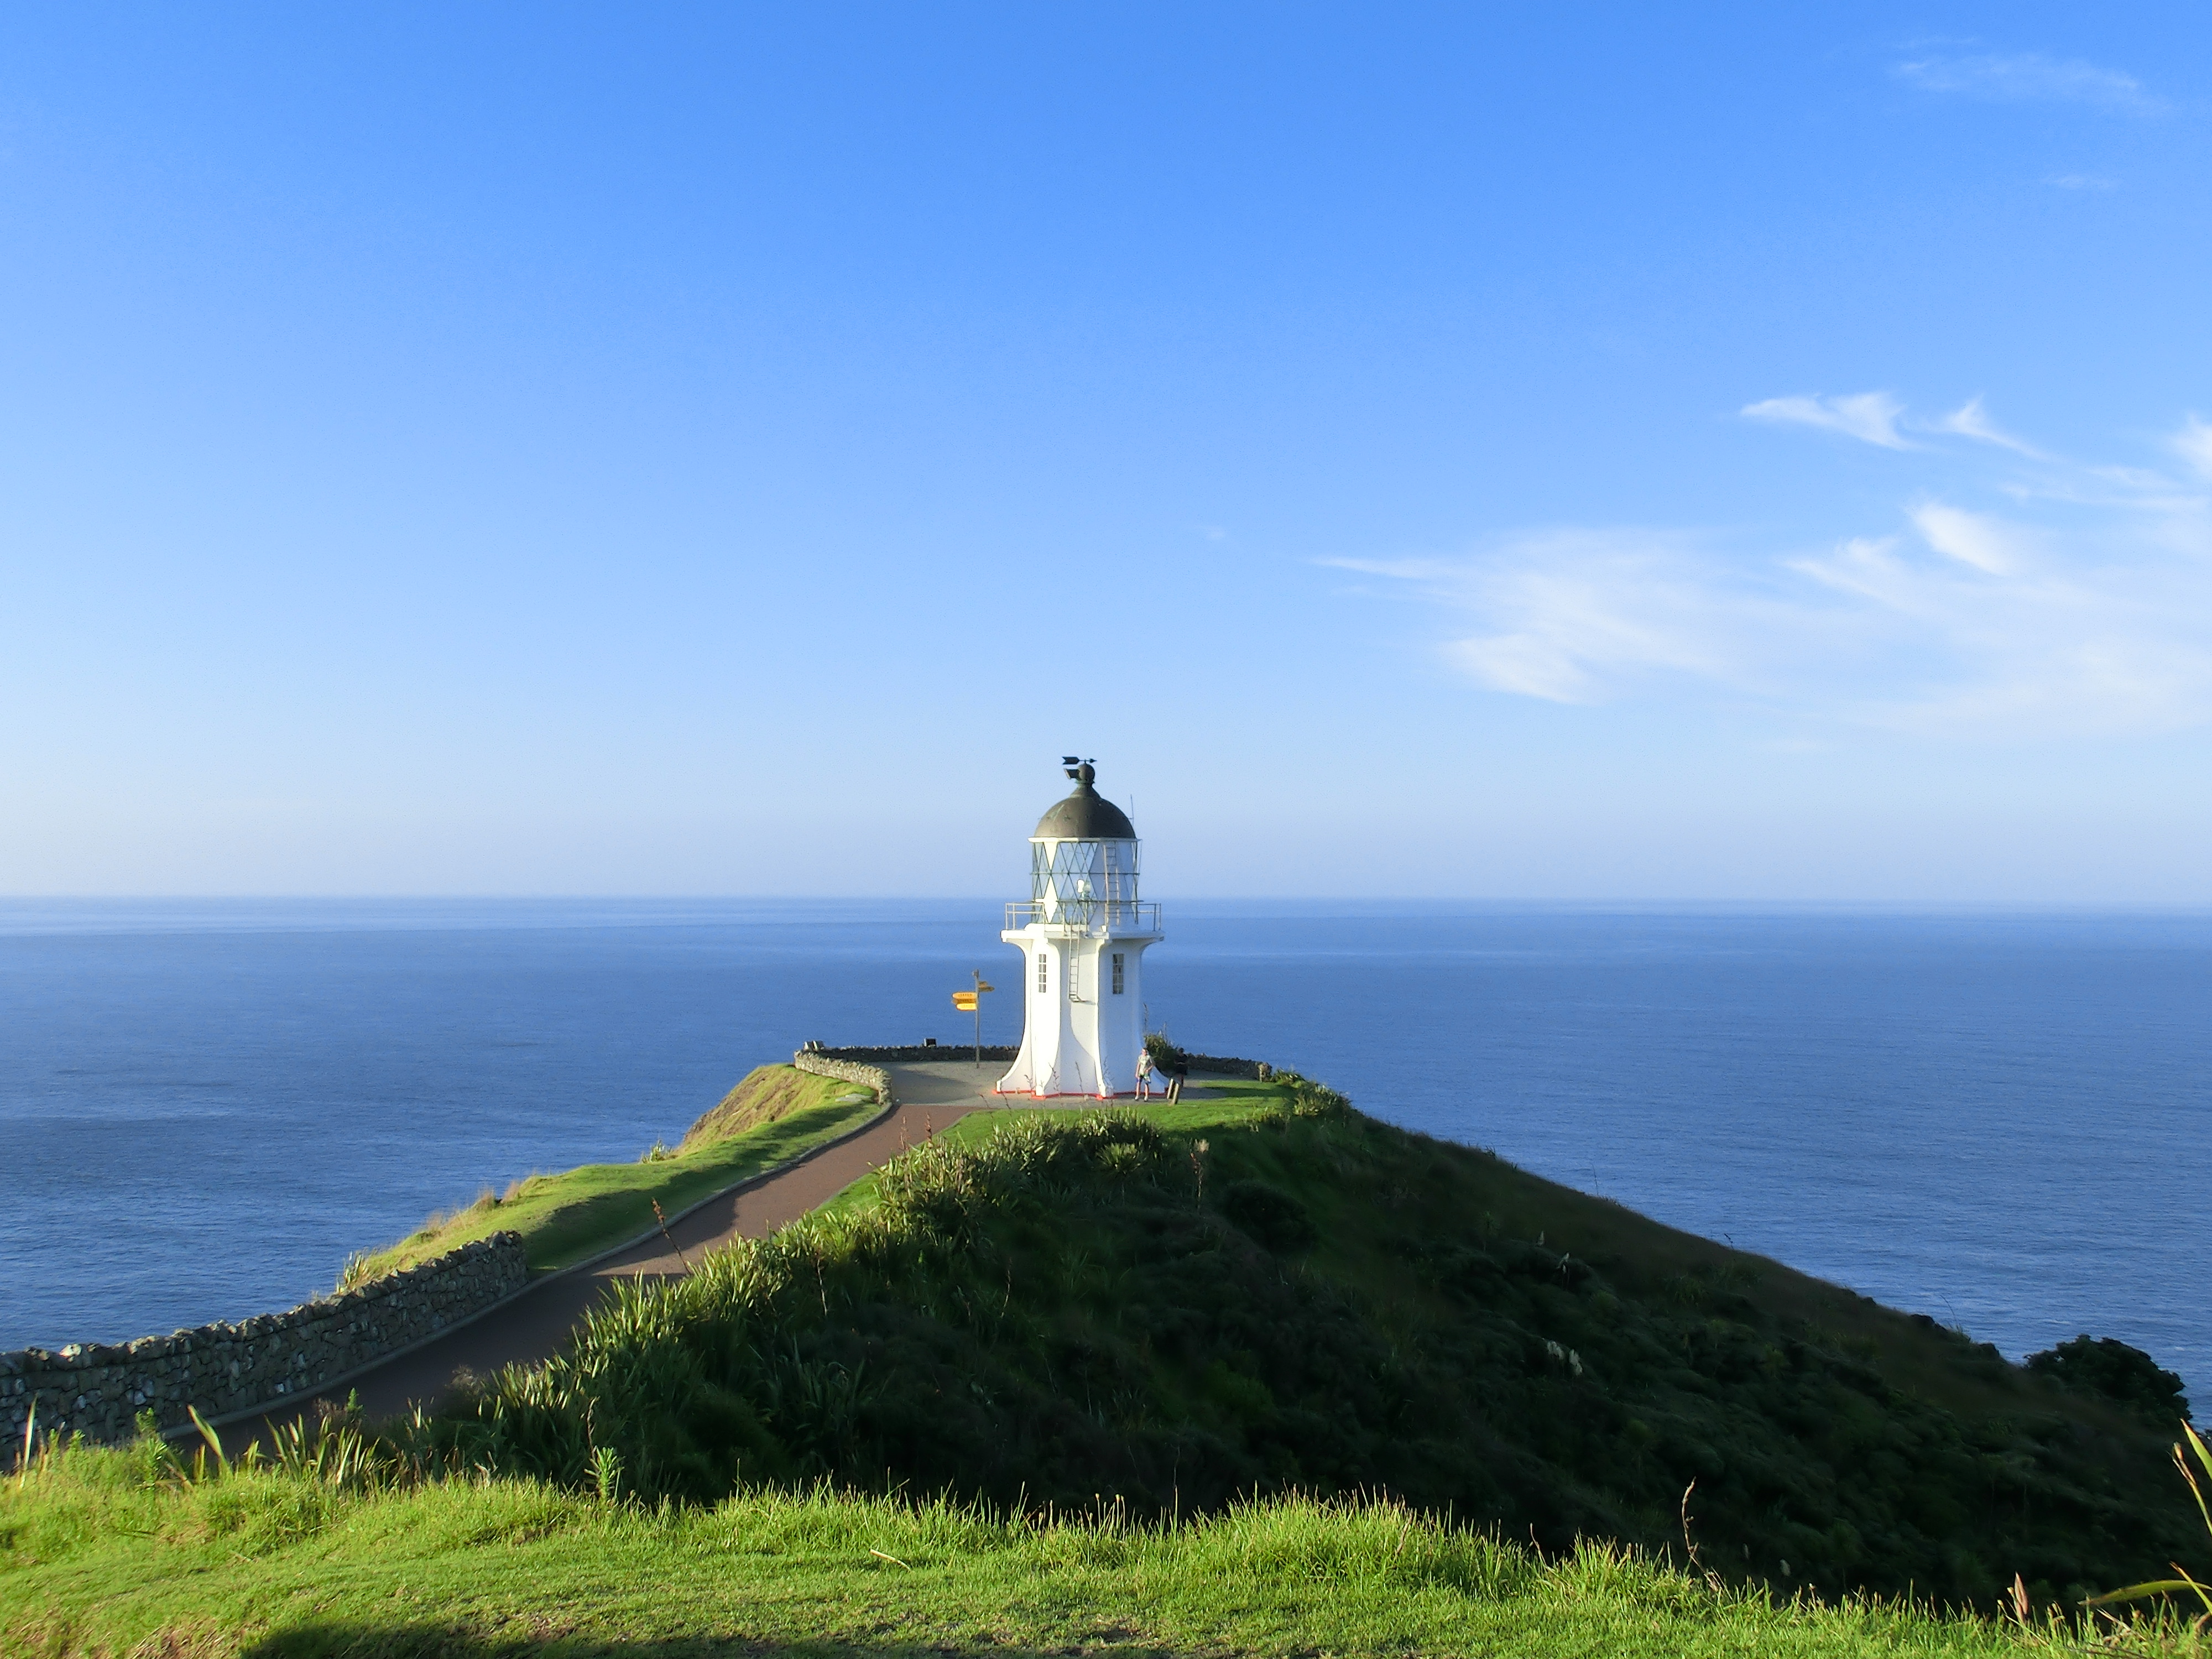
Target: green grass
(976,1130)
(1239,1320)
(99,1557)
(570,1218)
(1269,1291)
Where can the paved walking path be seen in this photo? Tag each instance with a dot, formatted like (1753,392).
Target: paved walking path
(536,1324)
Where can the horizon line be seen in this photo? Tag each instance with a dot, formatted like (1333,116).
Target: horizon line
(1897,903)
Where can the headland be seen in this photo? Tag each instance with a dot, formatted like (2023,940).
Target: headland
(1154,1316)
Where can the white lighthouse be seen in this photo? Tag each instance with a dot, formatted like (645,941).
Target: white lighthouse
(1082,934)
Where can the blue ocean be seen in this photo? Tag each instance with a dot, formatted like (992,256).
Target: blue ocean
(2002,1120)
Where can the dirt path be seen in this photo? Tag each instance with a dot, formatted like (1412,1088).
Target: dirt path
(536,1324)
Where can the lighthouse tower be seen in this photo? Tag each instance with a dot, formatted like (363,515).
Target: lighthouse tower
(1082,935)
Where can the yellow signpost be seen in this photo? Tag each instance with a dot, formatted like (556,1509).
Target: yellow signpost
(971,1002)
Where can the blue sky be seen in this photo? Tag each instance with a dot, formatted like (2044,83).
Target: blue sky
(1717,452)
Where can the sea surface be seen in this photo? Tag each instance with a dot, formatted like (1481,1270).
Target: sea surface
(2004,1121)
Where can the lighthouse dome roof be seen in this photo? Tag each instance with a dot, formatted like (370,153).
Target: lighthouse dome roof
(1086,815)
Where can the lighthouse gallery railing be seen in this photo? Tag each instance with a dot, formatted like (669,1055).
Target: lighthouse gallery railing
(1121,915)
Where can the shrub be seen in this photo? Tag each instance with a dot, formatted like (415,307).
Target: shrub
(1269,1214)
(2112,1370)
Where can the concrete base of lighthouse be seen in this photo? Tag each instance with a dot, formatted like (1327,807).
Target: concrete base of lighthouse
(1084,1024)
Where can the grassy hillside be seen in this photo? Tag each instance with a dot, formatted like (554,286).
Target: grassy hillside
(776,1113)
(102,1554)
(766,1094)
(1256,1374)
(1271,1292)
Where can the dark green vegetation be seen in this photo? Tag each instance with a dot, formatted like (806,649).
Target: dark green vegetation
(1272,1292)
(2106,1370)
(777,1113)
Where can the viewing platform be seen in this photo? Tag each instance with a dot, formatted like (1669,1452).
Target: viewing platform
(1122,918)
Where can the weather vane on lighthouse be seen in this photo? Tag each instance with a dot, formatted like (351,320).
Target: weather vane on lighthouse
(1082,934)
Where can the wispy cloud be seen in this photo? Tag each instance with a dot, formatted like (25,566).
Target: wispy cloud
(2082,181)
(2193,443)
(1579,615)
(1974,539)
(2022,641)
(2030,77)
(1970,420)
(1868,415)
(2085,606)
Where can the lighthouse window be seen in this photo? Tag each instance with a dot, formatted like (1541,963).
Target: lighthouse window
(1042,959)
(1117,973)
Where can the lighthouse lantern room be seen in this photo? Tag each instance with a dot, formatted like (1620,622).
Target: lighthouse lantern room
(1082,934)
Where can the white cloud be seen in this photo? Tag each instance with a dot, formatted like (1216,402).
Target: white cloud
(1970,420)
(1578,615)
(1990,546)
(2193,443)
(2082,181)
(2085,608)
(1870,417)
(2030,77)
(1530,664)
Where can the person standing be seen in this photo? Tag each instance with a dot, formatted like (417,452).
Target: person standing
(1145,1075)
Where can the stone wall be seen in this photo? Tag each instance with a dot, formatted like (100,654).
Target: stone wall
(915,1051)
(824,1062)
(1222,1065)
(227,1369)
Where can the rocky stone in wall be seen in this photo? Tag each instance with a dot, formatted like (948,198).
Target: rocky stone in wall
(916,1051)
(847,1071)
(218,1370)
(1225,1066)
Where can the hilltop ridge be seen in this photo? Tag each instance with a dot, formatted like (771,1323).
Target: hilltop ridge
(1267,1292)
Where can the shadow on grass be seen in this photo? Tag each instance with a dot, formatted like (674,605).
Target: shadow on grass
(542,1639)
